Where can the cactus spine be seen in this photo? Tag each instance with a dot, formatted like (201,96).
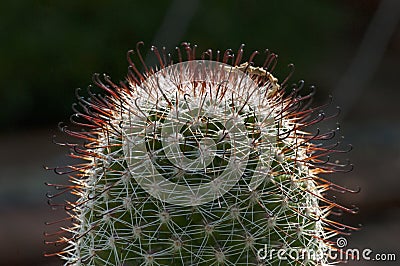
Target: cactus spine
(199,163)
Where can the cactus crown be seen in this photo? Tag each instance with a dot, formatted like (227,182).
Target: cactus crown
(203,162)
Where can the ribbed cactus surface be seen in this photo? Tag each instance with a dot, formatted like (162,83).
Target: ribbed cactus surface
(199,162)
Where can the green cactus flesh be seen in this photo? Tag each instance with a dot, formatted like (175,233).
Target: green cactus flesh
(199,163)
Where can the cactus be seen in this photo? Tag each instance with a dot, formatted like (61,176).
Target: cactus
(201,162)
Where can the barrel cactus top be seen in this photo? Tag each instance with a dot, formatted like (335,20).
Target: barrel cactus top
(202,161)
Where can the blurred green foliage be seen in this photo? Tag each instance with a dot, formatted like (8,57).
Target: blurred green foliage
(49,48)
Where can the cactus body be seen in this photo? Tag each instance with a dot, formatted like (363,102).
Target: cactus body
(199,163)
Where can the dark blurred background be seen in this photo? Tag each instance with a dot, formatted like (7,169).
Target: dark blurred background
(348,48)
